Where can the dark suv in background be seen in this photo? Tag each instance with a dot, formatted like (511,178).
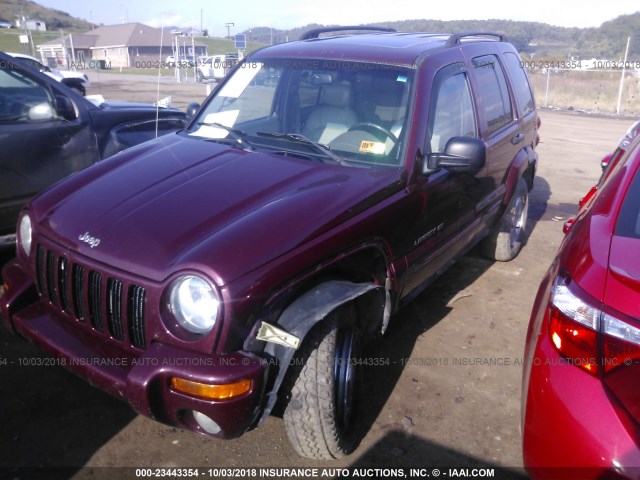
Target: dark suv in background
(47,132)
(244,261)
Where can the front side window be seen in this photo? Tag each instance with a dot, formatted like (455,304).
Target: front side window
(453,115)
(493,92)
(22,99)
(347,112)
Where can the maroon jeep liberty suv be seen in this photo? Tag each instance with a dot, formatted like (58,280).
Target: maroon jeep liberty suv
(207,275)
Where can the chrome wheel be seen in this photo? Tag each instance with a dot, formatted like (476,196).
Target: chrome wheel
(518,220)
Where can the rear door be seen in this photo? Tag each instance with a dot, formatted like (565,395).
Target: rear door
(498,126)
(38,145)
(524,103)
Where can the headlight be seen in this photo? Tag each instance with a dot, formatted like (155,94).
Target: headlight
(194,303)
(24,234)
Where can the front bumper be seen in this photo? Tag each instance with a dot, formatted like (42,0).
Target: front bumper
(144,380)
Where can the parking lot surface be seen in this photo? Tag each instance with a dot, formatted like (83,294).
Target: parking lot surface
(443,386)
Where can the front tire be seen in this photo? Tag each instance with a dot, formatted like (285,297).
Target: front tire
(506,240)
(321,417)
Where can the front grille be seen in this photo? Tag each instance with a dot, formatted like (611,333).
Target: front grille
(95,299)
(109,305)
(114,308)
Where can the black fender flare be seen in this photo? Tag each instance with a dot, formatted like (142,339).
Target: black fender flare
(309,309)
(516,170)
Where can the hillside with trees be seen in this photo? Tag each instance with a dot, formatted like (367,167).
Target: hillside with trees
(608,41)
(531,38)
(11,10)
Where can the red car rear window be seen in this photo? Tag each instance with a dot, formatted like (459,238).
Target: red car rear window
(629,219)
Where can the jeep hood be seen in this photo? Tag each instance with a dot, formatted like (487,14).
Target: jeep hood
(180,203)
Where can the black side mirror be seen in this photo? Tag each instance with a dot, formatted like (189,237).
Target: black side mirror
(462,154)
(65,108)
(192,108)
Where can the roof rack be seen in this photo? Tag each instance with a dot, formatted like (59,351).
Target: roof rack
(456,38)
(315,33)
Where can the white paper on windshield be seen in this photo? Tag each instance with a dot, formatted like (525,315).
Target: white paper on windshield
(226,118)
(240,79)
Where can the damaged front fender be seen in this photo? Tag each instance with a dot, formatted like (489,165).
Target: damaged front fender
(311,308)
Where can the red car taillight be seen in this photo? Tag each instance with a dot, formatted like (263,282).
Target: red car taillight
(573,326)
(595,340)
(621,344)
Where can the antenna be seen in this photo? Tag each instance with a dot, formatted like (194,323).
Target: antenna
(159,74)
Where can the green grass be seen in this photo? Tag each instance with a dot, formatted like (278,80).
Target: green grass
(216,46)
(10,40)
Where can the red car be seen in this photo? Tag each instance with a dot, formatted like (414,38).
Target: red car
(581,395)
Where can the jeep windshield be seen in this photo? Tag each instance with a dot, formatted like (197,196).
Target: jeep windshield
(351,113)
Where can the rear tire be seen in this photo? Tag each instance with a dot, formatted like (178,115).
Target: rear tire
(506,239)
(321,417)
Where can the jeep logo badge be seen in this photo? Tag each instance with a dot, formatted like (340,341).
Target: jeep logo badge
(86,238)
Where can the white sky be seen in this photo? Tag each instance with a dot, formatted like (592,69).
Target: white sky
(296,13)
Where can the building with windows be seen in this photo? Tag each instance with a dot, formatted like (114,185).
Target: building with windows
(116,46)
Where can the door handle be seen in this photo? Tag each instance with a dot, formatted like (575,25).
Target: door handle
(517,139)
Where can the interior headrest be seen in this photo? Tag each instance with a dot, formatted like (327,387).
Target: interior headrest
(336,94)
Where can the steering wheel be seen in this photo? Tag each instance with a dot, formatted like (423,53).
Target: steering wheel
(373,126)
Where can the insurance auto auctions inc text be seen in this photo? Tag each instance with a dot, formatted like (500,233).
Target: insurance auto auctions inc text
(273,473)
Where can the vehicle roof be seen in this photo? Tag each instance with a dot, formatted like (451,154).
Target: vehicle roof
(22,55)
(388,47)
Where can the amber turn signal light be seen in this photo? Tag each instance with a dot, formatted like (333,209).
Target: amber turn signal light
(211,392)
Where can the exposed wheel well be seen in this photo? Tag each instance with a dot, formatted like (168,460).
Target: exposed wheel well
(368,265)
(358,278)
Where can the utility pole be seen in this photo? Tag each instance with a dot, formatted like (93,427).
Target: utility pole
(624,64)
(32,48)
(229,25)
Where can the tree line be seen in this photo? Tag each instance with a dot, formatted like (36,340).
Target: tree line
(532,39)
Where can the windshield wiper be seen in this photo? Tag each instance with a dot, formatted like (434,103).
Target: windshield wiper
(324,150)
(238,135)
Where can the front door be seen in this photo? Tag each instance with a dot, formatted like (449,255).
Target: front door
(448,219)
(38,146)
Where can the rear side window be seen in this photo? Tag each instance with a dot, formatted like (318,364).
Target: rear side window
(521,87)
(493,92)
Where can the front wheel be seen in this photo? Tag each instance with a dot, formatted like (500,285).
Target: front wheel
(322,412)
(506,240)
